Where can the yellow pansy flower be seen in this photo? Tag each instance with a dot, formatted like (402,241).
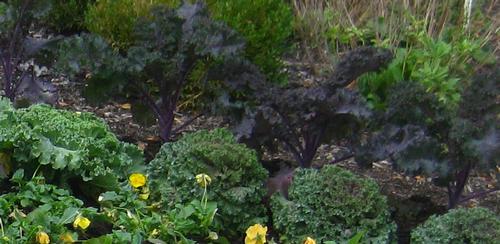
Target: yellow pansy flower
(81,222)
(256,234)
(66,238)
(203,180)
(309,240)
(137,180)
(42,238)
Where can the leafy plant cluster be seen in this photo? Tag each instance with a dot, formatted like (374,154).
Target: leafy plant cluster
(64,146)
(170,46)
(443,67)
(237,177)
(331,204)
(300,119)
(135,218)
(423,136)
(475,225)
(34,206)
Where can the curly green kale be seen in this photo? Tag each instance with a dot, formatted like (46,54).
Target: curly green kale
(65,145)
(237,177)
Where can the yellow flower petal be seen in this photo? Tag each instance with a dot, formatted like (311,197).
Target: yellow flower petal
(137,180)
(203,180)
(309,240)
(256,234)
(66,238)
(81,222)
(42,238)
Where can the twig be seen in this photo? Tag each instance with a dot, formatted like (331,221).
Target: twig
(477,195)
(338,160)
(183,125)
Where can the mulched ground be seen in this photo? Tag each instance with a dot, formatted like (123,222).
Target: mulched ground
(412,199)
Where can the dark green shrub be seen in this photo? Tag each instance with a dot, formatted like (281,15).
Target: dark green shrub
(475,225)
(237,177)
(331,204)
(266,25)
(65,145)
(68,16)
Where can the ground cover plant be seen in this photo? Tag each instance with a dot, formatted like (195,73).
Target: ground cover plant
(170,45)
(33,210)
(17,47)
(421,135)
(237,177)
(331,204)
(135,217)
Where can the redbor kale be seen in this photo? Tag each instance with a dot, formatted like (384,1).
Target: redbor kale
(18,47)
(421,136)
(300,119)
(170,45)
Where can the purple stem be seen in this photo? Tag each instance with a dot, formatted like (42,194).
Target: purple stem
(454,193)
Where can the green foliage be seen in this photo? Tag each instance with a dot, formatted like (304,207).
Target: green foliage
(331,204)
(237,177)
(34,206)
(65,145)
(475,225)
(115,19)
(134,216)
(68,16)
(442,66)
(266,26)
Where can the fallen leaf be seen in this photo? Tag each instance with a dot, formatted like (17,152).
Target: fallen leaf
(126,106)
(153,138)
(141,145)
(62,104)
